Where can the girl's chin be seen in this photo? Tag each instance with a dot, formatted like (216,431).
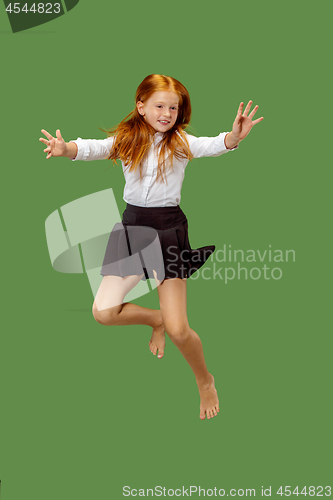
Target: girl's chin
(160,127)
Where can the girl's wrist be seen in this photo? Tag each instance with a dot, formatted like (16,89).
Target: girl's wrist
(229,141)
(70,150)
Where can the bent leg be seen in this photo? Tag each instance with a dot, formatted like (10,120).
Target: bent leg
(112,291)
(173,303)
(109,309)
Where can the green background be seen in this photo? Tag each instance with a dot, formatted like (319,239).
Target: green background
(86,409)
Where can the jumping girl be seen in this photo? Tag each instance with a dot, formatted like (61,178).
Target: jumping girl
(154,149)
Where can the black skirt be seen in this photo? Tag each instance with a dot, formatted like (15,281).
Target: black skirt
(152,239)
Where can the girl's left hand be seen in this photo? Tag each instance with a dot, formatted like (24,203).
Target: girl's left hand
(243,123)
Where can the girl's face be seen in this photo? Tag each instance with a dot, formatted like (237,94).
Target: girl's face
(160,110)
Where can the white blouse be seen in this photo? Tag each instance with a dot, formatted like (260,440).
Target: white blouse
(149,192)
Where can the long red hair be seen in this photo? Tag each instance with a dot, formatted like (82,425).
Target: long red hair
(134,136)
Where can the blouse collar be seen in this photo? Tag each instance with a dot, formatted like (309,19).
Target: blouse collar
(158,136)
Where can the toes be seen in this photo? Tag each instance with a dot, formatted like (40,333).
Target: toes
(160,353)
(153,348)
(212,413)
(202,414)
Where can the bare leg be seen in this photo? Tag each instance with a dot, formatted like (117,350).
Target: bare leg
(109,309)
(172,295)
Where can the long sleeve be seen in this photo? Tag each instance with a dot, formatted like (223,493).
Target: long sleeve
(93,149)
(208,146)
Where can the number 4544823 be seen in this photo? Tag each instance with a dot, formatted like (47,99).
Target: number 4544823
(39,8)
(318,491)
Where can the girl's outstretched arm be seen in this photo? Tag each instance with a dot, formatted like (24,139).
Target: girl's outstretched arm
(57,146)
(242,125)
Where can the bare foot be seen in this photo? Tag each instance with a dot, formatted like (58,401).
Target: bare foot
(209,402)
(157,341)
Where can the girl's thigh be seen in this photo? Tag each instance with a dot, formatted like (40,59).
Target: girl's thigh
(173,304)
(113,290)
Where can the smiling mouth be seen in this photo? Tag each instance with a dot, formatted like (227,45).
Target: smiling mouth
(164,122)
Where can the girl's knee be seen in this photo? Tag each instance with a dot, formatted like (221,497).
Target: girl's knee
(178,333)
(105,316)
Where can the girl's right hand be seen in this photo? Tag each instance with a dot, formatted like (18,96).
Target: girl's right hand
(55,146)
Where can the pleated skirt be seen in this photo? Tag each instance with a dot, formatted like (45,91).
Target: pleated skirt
(153,241)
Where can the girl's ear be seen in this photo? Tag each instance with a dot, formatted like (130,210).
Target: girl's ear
(139,106)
